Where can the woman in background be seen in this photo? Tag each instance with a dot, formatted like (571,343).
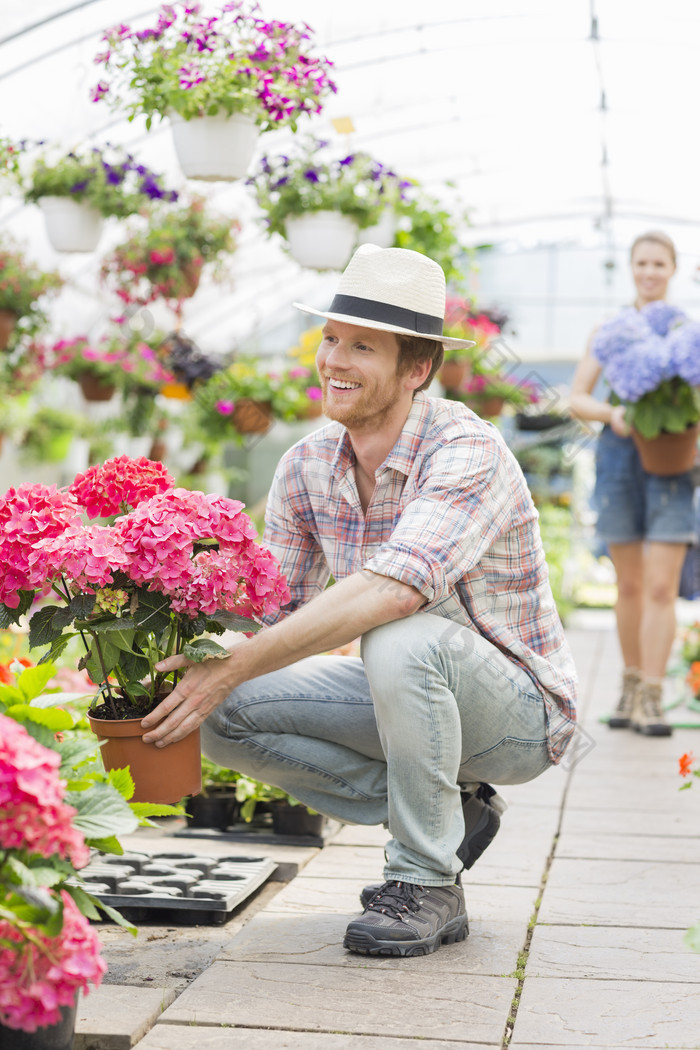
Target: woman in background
(646,520)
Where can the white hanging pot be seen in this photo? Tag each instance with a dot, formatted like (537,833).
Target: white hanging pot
(321,240)
(214,149)
(72,226)
(382,233)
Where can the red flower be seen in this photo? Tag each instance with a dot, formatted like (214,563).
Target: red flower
(684,764)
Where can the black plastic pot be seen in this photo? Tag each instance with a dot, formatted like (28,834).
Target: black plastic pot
(51,1037)
(217,809)
(295,820)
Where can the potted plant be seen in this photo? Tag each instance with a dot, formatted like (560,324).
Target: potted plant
(216,806)
(165,568)
(220,79)
(118,359)
(289,816)
(317,199)
(426,225)
(189,365)
(245,398)
(22,287)
(165,260)
(77,190)
(464,321)
(651,359)
(487,392)
(55,804)
(304,370)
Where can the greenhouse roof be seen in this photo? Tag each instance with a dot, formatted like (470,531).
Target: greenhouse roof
(546,122)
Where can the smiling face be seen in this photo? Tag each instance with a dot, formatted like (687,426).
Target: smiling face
(362,388)
(652,269)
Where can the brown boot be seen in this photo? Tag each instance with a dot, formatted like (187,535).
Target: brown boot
(648,713)
(622,715)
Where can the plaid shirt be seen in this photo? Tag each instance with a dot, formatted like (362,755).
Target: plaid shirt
(451,515)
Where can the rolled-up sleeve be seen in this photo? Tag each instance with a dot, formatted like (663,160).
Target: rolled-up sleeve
(290,536)
(462,504)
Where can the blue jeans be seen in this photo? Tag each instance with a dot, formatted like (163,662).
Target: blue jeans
(389,738)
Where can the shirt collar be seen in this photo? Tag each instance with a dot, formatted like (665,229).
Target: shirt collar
(404,451)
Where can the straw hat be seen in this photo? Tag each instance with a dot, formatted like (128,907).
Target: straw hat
(391,290)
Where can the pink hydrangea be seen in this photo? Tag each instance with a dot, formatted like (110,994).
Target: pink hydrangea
(159,537)
(88,555)
(112,487)
(29,514)
(33,815)
(40,976)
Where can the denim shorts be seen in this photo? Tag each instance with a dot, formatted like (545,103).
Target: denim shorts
(633,505)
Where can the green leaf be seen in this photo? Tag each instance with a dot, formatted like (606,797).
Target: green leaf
(10,695)
(231,621)
(152,611)
(134,665)
(9,616)
(121,623)
(75,751)
(102,811)
(82,605)
(122,781)
(41,627)
(692,938)
(204,649)
(32,681)
(50,717)
(57,647)
(108,845)
(156,809)
(88,905)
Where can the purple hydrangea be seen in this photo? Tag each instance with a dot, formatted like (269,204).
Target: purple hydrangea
(661,316)
(639,367)
(684,349)
(615,336)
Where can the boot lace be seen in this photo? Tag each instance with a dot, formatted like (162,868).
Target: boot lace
(396,899)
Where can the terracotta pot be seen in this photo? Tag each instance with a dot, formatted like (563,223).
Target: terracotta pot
(8,320)
(161,774)
(667,454)
(452,373)
(191,276)
(57,1036)
(251,417)
(95,389)
(313,410)
(486,407)
(214,148)
(321,240)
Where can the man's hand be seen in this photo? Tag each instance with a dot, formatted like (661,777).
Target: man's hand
(204,687)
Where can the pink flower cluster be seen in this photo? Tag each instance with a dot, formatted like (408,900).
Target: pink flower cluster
(33,815)
(28,515)
(159,539)
(112,487)
(154,544)
(39,976)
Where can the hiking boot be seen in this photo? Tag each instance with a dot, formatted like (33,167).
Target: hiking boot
(648,713)
(621,718)
(481,810)
(405,919)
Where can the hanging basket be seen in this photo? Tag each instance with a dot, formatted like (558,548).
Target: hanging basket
(667,454)
(71,225)
(161,774)
(486,407)
(8,320)
(453,372)
(214,149)
(321,240)
(95,389)
(383,233)
(251,417)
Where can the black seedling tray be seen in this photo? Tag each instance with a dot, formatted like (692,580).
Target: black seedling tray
(175,888)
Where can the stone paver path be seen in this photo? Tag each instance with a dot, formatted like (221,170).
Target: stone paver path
(577,914)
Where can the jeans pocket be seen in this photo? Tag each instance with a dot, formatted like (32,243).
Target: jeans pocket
(511,761)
